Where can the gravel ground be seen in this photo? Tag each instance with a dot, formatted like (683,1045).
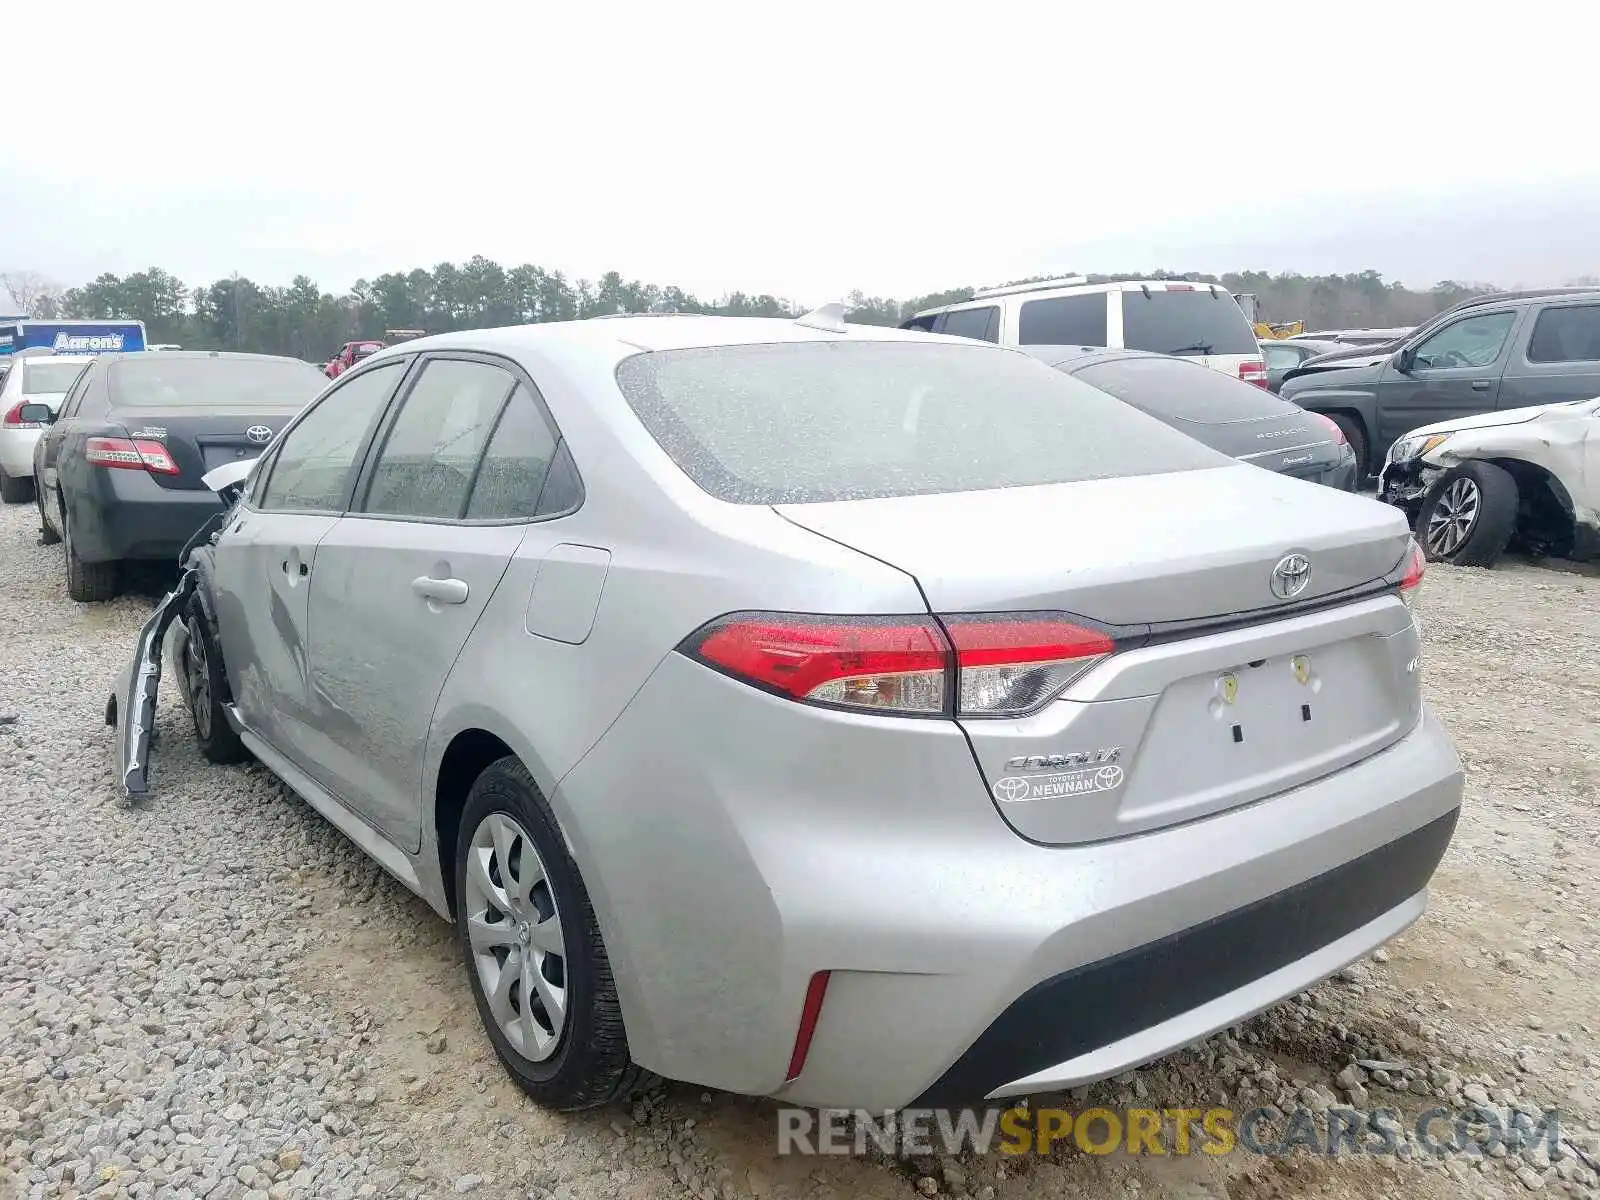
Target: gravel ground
(214,994)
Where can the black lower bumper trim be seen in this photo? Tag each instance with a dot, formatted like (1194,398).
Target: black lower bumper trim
(1103,1002)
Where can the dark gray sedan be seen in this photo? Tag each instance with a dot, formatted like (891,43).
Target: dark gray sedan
(1237,418)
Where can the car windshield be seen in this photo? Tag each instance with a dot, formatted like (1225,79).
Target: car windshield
(1188,323)
(161,381)
(41,377)
(1186,391)
(837,420)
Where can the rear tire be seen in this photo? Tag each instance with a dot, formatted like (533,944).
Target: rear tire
(577,1060)
(89,583)
(206,690)
(1356,435)
(15,491)
(1468,516)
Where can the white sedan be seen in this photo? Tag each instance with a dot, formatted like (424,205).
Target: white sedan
(1473,484)
(33,379)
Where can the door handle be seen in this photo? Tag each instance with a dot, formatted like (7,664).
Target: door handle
(442,591)
(1480,385)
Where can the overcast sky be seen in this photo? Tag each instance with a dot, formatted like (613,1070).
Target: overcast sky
(802,149)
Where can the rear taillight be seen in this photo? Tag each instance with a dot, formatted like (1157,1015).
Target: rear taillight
(13,418)
(1416,564)
(1253,370)
(137,454)
(1333,428)
(1011,665)
(968,665)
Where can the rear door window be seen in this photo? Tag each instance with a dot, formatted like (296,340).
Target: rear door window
(1570,334)
(1064,321)
(981,324)
(430,455)
(794,423)
(1187,323)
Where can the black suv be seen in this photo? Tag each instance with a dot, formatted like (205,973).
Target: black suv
(1498,351)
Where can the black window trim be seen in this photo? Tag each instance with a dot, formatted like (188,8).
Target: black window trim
(1539,312)
(263,481)
(386,423)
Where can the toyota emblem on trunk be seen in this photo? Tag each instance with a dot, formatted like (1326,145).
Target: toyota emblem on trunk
(1290,576)
(259,434)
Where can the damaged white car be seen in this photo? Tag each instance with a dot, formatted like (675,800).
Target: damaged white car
(1525,476)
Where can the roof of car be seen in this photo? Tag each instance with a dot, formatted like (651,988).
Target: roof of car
(621,337)
(1047,290)
(179,355)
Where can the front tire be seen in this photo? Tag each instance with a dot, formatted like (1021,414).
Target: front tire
(1468,516)
(15,491)
(534,955)
(89,583)
(205,688)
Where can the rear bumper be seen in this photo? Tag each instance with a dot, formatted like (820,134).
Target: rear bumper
(128,516)
(16,451)
(964,960)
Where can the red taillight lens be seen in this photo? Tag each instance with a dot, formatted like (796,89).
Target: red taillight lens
(1011,665)
(1253,370)
(1001,664)
(137,454)
(896,664)
(13,418)
(1416,564)
(1333,428)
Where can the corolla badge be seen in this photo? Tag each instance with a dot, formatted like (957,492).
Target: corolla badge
(1291,576)
(259,434)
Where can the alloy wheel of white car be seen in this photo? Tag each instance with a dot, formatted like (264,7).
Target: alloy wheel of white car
(1454,516)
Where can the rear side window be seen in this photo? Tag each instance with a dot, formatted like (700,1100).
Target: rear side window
(1566,335)
(431,452)
(981,324)
(316,463)
(1190,323)
(820,421)
(1184,391)
(1064,321)
(514,466)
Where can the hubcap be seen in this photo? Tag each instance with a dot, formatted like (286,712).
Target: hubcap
(1453,516)
(195,667)
(515,934)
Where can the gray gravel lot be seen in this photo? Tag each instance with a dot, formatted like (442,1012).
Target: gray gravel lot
(214,994)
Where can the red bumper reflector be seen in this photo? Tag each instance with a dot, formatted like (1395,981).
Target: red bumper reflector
(815,991)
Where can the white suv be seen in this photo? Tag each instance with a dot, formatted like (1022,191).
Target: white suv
(1194,320)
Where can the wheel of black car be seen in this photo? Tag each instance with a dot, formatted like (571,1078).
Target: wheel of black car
(1356,435)
(1468,516)
(47,532)
(88,583)
(533,951)
(206,689)
(15,491)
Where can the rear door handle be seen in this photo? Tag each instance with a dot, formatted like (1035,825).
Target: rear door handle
(442,591)
(1480,385)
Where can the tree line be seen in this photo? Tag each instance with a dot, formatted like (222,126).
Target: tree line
(306,322)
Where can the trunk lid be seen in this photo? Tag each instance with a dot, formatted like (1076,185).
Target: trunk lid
(200,440)
(1221,693)
(1183,546)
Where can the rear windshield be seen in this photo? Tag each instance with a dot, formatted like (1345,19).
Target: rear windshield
(161,381)
(1189,323)
(45,378)
(1184,391)
(797,423)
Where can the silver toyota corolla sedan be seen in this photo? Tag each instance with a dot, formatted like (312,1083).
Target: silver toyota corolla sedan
(859,717)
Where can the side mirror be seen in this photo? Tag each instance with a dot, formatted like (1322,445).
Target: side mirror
(40,414)
(1404,359)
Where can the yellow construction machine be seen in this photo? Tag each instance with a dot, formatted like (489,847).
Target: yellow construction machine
(1268,331)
